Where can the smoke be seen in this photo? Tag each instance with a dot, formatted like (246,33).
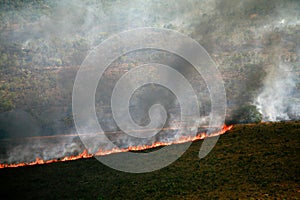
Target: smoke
(276,102)
(46,148)
(237,35)
(279,96)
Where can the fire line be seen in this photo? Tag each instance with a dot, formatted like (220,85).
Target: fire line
(100,152)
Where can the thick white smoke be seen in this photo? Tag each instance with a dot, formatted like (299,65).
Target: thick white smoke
(279,97)
(221,26)
(275,101)
(42,148)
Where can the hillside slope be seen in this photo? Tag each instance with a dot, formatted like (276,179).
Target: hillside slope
(249,162)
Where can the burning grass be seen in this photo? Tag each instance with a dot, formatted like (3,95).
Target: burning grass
(86,154)
(258,161)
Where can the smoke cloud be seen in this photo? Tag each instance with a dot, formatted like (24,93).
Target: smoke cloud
(255,43)
(278,99)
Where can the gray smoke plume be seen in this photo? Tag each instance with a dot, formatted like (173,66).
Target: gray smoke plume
(46,148)
(279,98)
(278,101)
(237,34)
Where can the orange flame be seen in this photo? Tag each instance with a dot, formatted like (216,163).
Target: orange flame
(100,152)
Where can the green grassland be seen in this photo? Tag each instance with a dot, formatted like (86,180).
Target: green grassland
(258,161)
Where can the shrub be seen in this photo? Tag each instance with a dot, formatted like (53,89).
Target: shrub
(245,114)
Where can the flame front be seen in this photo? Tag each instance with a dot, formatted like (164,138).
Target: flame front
(100,152)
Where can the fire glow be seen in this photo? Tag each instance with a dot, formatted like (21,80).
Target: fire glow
(100,152)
